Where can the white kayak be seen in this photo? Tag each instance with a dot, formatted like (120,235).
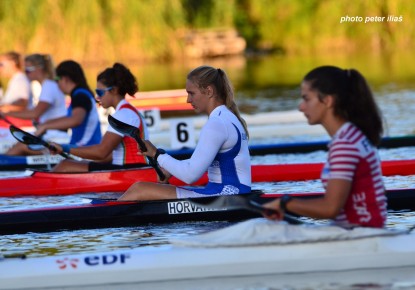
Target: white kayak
(245,250)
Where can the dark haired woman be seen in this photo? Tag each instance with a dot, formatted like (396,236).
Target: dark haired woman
(115,149)
(82,117)
(222,149)
(342,102)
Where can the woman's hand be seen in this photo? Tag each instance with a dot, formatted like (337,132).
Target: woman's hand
(166,174)
(40,130)
(275,206)
(151,149)
(58,148)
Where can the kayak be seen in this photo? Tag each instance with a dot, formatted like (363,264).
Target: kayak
(307,249)
(98,213)
(49,183)
(41,161)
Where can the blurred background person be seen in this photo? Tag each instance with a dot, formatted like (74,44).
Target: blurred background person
(17,92)
(51,104)
(82,114)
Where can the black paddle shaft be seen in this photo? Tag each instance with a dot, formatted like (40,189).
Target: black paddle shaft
(134,133)
(29,139)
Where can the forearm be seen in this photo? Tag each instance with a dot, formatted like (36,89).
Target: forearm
(60,123)
(26,114)
(91,152)
(318,208)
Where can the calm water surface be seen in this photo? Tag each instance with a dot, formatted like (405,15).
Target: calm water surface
(396,99)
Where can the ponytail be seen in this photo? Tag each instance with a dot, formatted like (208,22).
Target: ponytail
(205,76)
(354,100)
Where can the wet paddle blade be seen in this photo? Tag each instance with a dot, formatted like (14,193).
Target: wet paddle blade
(25,137)
(122,127)
(29,139)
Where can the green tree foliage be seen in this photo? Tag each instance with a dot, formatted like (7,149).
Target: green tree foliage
(101,30)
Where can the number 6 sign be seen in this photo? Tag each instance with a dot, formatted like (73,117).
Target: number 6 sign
(182,133)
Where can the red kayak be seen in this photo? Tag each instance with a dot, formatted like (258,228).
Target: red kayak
(47,183)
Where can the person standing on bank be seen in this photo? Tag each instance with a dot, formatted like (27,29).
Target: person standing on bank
(115,150)
(342,102)
(17,95)
(51,105)
(222,149)
(82,117)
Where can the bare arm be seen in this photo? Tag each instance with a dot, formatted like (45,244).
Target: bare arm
(35,113)
(78,116)
(99,152)
(326,207)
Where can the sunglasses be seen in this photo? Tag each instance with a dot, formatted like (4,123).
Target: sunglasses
(101,92)
(29,69)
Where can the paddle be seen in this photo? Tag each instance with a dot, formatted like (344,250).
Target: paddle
(134,132)
(29,139)
(240,202)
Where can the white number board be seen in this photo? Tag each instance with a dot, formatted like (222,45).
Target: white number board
(182,133)
(152,118)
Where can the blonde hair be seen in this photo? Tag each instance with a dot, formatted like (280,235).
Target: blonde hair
(43,61)
(204,76)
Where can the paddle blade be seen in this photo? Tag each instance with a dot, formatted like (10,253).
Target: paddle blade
(25,137)
(122,127)
(29,139)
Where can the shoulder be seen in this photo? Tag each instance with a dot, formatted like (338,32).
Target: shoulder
(51,86)
(126,113)
(50,91)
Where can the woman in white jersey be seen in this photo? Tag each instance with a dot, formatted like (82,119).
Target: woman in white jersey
(115,150)
(51,104)
(16,96)
(222,149)
(342,102)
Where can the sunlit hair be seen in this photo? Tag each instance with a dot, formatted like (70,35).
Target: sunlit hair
(73,71)
(353,97)
(44,61)
(119,76)
(204,76)
(15,57)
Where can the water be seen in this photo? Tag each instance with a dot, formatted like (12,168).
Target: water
(396,99)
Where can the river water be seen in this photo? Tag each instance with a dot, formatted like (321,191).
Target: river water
(396,98)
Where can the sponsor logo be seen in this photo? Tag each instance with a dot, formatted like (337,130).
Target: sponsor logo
(93,260)
(181,207)
(40,159)
(67,263)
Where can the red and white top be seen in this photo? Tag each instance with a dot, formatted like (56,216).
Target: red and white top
(127,151)
(352,157)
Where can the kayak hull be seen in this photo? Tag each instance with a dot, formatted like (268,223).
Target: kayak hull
(111,213)
(173,263)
